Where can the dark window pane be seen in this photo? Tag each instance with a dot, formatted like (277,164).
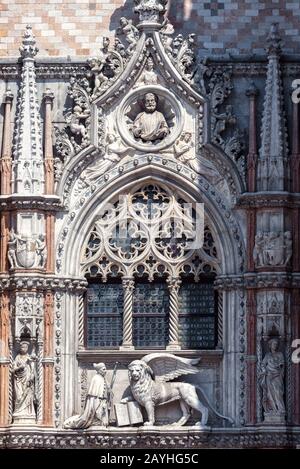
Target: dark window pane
(104,314)
(150,314)
(197,315)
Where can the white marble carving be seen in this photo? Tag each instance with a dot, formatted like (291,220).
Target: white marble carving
(149,10)
(28,164)
(150,125)
(272,248)
(24,386)
(150,118)
(271,378)
(26,251)
(114,151)
(149,381)
(130,32)
(96,405)
(148,76)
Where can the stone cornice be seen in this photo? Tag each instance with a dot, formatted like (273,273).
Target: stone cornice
(154,437)
(40,202)
(250,200)
(41,282)
(258,280)
(64,68)
(206,356)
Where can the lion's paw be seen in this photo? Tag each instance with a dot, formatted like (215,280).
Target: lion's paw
(148,424)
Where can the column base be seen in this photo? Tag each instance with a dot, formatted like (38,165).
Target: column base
(278,418)
(24,420)
(173,347)
(126,347)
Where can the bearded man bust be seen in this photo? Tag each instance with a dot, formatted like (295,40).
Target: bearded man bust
(150,125)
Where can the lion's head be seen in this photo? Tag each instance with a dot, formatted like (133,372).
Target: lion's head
(138,370)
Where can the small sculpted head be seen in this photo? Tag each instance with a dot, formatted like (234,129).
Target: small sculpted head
(138,370)
(100,368)
(274,344)
(24,347)
(150,102)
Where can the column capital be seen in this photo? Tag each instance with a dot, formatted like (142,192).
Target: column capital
(48,96)
(8,96)
(128,283)
(173,283)
(252,91)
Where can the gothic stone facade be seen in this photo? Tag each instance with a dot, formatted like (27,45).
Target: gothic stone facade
(91,147)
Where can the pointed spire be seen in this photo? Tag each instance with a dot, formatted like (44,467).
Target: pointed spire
(28,174)
(273,168)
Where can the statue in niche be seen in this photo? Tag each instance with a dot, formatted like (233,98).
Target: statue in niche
(24,384)
(149,382)
(97,402)
(271,379)
(150,125)
(148,76)
(130,32)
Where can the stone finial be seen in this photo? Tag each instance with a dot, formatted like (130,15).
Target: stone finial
(150,11)
(274,41)
(28,49)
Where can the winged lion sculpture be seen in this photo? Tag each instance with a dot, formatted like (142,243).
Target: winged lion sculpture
(150,386)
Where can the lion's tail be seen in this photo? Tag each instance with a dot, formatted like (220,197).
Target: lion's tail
(212,408)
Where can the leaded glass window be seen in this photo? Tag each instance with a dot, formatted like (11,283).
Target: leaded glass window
(104,314)
(150,314)
(197,314)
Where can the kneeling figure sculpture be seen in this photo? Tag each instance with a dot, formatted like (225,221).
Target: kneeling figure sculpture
(150,387)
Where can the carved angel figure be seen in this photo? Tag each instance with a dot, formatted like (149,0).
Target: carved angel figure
(114,151)
(150,386)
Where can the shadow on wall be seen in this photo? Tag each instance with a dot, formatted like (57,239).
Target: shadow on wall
(125,10)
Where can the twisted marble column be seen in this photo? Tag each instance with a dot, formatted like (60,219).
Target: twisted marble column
(128,286)
(174,285)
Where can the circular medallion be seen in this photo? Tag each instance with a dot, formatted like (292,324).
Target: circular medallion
(150,118)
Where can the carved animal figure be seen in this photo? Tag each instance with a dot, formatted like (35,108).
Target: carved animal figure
(149,382)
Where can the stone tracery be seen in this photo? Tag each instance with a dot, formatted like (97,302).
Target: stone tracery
(149,230)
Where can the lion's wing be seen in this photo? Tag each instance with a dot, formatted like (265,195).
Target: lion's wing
(167,367)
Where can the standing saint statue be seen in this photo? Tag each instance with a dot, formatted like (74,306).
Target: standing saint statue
(150,125)
(271,379)
(24,385)
(96,404)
